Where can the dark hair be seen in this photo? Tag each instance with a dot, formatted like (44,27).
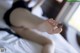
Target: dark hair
(21,4)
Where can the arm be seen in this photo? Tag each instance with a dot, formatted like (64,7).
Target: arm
(31,35)
(36,37)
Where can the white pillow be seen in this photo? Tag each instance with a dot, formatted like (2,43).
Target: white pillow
(4,6)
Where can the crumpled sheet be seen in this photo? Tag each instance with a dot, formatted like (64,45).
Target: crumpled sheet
(12,44)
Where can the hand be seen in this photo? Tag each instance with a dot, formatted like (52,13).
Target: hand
(51,26)
(57,27)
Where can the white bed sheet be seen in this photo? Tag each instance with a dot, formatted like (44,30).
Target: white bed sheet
(12,44)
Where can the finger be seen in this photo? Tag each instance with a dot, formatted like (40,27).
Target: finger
(55,27)
(52,22)
(58,30)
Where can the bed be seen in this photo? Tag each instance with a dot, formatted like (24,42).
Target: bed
(12,44)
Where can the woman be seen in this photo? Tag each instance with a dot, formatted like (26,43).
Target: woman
(30,27)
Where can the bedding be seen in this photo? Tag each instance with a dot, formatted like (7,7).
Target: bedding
(12,44)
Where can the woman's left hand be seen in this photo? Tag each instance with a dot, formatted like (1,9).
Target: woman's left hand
(56,27)
(51,26)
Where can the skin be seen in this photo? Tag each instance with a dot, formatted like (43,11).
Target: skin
(23,26)
(26,29)
(39,38)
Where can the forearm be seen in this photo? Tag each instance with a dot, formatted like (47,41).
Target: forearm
(32,35)
(38,38)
